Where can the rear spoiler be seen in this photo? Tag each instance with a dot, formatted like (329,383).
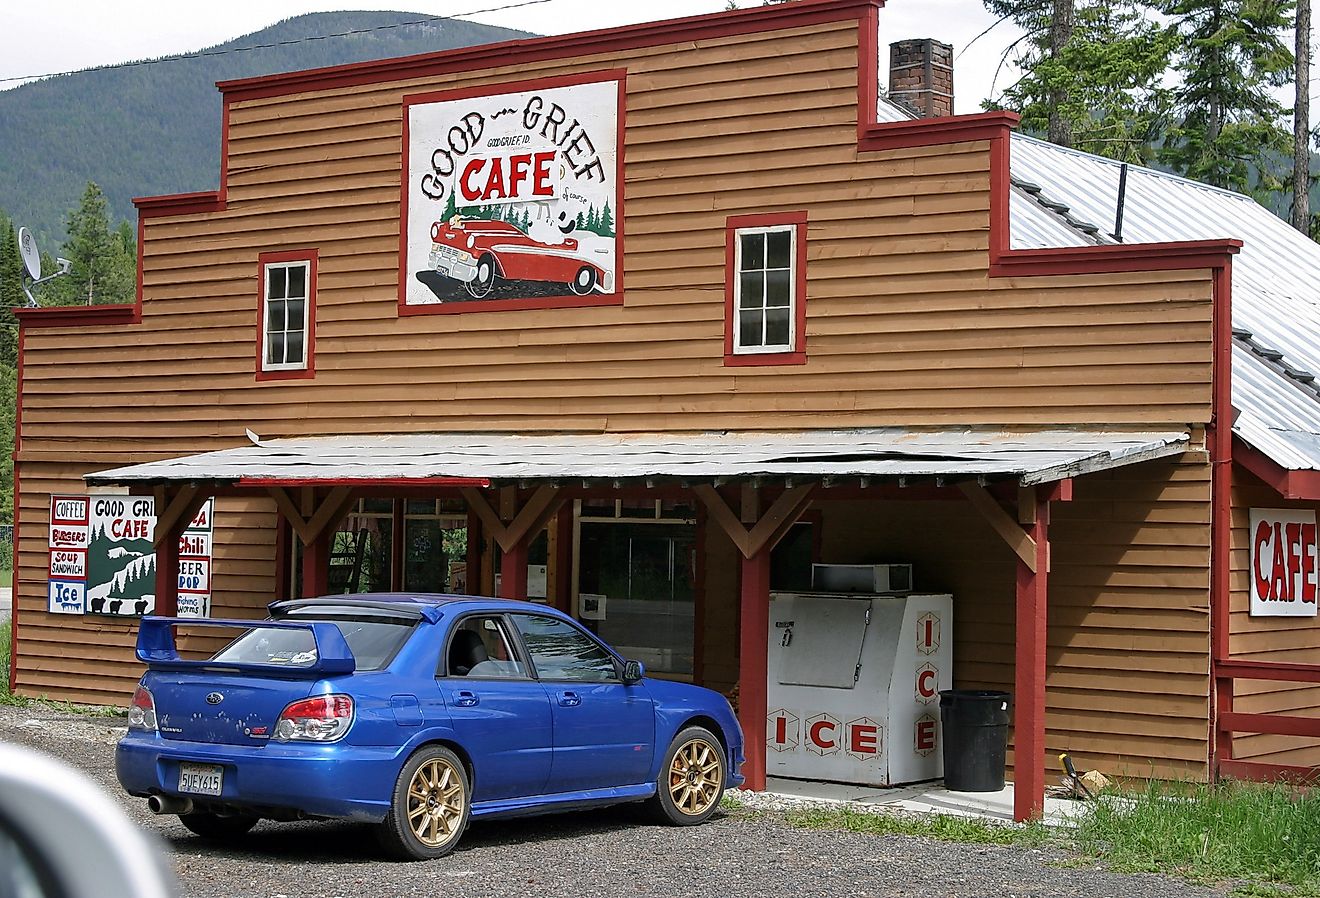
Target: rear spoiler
(156,648)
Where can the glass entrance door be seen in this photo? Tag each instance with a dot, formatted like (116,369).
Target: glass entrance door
(645,572)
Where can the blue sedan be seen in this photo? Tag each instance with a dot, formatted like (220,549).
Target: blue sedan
(416,713)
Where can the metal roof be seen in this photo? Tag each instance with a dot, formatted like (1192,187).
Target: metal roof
(1036,457)
(1276,277)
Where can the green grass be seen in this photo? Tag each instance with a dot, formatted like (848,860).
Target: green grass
(6,579)
(1261,840)
(4,662)
(8,698)
(945,827)
(1262,837)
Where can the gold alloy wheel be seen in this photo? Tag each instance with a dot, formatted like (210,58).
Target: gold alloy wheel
(435,803)
(695,777)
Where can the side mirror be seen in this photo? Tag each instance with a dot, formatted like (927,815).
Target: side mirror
(633,672)
(61,835)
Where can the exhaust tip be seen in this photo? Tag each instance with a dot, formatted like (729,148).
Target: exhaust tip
(167,804)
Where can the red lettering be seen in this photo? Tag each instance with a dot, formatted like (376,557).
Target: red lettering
(518,171)
(1258,558)
(926,683)
(930,635)
(1294,531)
(781,730)
(541,185)
(925,734)
(1308,563)
(815,729)
(470,193)
(1279,576)
(495,182)
(861,741)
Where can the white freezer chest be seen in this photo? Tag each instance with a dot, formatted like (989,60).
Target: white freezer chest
(853,686)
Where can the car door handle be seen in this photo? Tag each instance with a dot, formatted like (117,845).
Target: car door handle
(570,699)
(467,699)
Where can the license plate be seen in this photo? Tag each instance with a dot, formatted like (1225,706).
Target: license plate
(201,779)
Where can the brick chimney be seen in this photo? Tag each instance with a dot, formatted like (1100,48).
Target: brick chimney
(921,76)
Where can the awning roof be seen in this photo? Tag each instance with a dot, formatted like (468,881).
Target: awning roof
(1032,457)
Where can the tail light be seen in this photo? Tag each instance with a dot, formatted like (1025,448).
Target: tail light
(323,718)
(142,713)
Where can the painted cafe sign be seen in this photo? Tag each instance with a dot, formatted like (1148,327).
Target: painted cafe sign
(511,195)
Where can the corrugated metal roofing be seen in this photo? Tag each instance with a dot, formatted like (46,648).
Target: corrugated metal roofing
(1037,457)
(1276,277)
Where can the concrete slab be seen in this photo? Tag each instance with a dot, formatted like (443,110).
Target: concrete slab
(924,798)
(6,603)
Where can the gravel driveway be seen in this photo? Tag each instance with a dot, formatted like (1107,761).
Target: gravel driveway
(596,854)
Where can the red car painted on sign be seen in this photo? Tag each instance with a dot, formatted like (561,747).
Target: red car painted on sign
(477,251)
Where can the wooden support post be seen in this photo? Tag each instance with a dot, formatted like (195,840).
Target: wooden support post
(513,572)
(1029,676)
(167,575)
(753,624)
(316,565)
(179,508)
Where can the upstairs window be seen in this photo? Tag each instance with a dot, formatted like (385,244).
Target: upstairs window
(765,316)
(287,309)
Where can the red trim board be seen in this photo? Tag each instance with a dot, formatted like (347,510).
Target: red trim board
(798,355)
(274,258)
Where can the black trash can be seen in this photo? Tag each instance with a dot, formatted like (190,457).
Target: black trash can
(975,724)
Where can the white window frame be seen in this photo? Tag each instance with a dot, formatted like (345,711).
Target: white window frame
(266,333)
(793,299)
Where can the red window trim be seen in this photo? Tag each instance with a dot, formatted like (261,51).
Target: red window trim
(798,355)
(295,255)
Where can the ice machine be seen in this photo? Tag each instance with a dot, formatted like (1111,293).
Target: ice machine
(853,686)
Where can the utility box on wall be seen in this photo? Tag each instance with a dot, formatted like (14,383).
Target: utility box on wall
(853,686)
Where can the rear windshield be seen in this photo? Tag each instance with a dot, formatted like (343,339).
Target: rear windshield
(373,643)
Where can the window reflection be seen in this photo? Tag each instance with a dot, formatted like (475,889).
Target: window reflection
(562,652)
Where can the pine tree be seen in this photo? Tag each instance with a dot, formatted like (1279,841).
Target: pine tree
(605,224)
(1228,124)
(1301,176)
(11,291)
(104,269)
(1093,74)
(592,224)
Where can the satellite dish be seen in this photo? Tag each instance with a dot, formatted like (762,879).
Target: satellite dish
(27,248)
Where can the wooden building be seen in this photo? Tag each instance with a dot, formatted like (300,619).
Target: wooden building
(671,311)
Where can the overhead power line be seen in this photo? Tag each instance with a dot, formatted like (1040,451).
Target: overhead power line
(300,40)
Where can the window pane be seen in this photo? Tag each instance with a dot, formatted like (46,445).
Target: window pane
(753,251)
(776,327)
(294,348)
(297,280)
(275,349)
(275,315)
(561,652)
(776,288)
(779,247)
(297,313)
(278,282)
(752,287)
(420,506)
(481,648)
(749,327)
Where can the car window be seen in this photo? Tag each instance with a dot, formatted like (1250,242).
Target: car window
(480,647)
(372,642)
(561,651)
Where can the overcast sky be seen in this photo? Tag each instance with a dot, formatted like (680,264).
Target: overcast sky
(39,37)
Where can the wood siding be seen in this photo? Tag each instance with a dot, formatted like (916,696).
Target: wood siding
(1128,626)
(904,326)
(1295,640)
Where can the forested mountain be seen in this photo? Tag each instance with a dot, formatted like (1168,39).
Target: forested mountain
(155,129)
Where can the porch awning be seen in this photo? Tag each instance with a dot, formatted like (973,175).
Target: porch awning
(470,459)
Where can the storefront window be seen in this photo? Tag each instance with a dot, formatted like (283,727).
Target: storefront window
(645,572)
(361,553)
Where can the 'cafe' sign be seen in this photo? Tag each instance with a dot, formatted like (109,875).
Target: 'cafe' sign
(1283,563)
